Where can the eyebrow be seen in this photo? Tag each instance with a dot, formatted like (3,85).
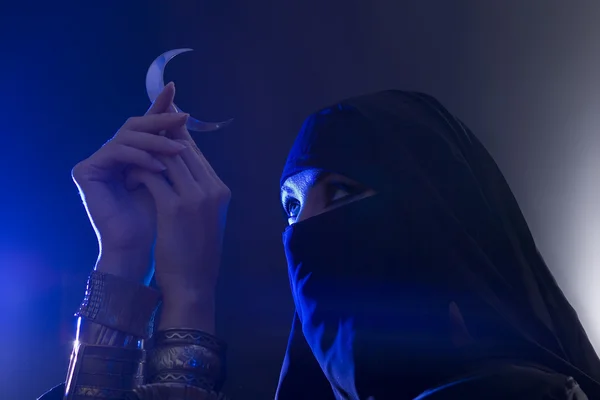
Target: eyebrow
(319,178)
(286,189)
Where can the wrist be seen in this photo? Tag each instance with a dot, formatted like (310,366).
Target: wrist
(192,311)
(135,266)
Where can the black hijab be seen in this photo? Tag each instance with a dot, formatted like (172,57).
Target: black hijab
(373,280)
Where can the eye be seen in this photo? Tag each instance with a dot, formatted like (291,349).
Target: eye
(291,207)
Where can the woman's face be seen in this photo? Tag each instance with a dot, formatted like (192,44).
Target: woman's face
(312,192)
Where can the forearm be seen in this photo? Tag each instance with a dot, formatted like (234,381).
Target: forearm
(192,312)
(108,354)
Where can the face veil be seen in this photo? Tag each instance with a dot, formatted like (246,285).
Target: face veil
(372,280)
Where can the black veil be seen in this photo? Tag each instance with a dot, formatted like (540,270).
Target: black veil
(407,145)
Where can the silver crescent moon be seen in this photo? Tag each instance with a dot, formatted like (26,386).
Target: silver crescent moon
(155,84)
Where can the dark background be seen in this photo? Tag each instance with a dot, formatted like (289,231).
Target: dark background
(522,74)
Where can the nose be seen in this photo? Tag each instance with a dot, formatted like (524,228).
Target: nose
(305,213)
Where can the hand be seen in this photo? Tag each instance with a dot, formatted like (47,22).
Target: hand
(191,206)
(123,216)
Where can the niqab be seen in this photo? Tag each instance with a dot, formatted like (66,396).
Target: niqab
(372,281)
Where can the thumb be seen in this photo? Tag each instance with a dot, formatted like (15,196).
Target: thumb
(132,180)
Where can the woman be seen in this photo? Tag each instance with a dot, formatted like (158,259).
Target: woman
(412,268)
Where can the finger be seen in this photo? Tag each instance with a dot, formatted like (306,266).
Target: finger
(163,101)
(179,174)
(196,163)
(182,135)
(180,132)
(155,123)
(148,142)
(158,187)
(207,168)
(118,154)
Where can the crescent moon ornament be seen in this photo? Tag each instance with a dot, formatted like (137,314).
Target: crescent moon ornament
(155,84)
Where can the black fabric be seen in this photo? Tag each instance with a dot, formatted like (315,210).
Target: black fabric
(512,381)
(372,280)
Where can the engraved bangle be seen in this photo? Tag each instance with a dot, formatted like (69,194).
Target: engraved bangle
(184,336)
(189,364)
(119,304)
(187,356)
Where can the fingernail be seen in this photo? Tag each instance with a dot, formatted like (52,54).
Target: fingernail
(177,145)
(170,84)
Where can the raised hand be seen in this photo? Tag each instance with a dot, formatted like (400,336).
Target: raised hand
(122,215)
(191,206)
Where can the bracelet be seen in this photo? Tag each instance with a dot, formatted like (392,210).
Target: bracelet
(104,372)
(191,365)
(188,357)
(170,337)
(92,333)
(120,304)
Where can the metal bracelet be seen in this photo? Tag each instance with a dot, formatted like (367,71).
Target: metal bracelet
(189,364)
(119,304)
(186,356)
(104,372)
(184,336)
(93,333)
